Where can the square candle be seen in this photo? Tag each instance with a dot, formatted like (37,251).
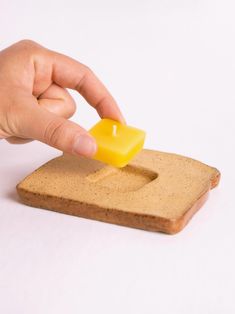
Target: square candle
(117,143)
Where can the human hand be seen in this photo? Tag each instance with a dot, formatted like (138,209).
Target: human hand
(34,102)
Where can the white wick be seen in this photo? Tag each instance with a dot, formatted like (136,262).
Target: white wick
(114,130)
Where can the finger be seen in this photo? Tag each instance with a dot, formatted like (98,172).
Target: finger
(70,73)
(53,130)
(57,107)
(58,100)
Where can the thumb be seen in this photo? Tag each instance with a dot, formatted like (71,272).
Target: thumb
(40,124)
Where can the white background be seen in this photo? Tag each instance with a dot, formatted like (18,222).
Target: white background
(171,67)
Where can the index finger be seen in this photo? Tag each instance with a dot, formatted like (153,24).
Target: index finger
(70,73)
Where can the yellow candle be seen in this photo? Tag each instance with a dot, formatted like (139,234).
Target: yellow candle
(117,143)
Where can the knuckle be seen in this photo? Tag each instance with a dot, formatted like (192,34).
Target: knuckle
(27,43)
(87,72)
(54,130)
(28,46)
(71,107)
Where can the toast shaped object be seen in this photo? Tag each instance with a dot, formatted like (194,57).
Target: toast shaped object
(156,191)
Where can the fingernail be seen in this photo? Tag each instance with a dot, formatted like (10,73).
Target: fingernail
(85,145)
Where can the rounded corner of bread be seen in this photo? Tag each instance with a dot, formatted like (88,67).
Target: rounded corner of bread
(215,178)
(19,186)
(21,193)
(175,225)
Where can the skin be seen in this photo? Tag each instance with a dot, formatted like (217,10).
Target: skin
(34,102)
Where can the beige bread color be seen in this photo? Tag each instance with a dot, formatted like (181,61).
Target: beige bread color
(157,191)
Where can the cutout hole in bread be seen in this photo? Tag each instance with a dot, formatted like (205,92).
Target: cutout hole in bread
(129,178)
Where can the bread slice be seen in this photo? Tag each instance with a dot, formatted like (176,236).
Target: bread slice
(157,191)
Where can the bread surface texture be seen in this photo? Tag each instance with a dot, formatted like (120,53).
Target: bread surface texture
(157,191)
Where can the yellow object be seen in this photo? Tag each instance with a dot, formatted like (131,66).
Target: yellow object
(117,143)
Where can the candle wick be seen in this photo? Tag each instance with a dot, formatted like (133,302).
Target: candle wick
(114,130)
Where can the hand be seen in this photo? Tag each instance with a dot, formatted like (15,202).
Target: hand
(34,102)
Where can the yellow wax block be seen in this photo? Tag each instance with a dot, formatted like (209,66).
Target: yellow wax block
(117,143)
